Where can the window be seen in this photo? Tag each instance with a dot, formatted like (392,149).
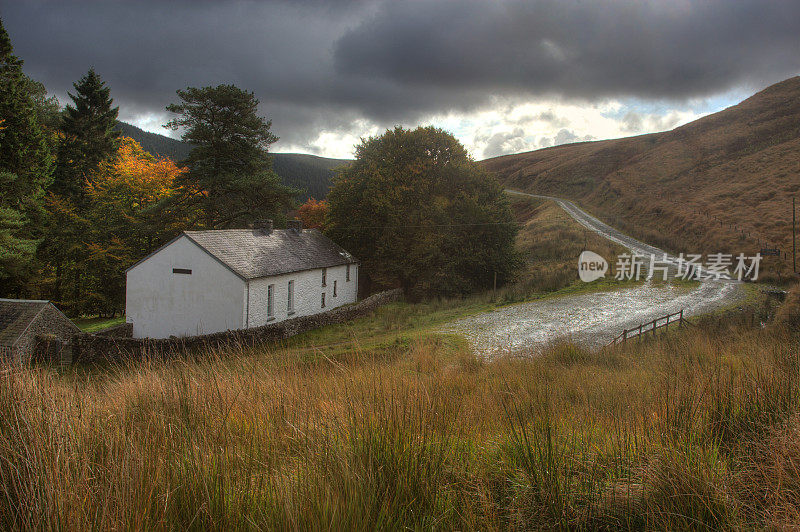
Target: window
(271,301)
(347,274)
(290,304)
(323,299)
(324,277)
(334,288)
(182,270)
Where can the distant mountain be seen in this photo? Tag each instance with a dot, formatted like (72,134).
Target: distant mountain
(155,143)
(723,183)
(307,172)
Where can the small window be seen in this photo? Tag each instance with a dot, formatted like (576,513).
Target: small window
(290,302)
(324,277)
(271,301)
(182,270)
(323,300)
(334,288)
(347,274)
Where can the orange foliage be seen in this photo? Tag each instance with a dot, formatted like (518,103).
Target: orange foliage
(135,177)
(312,213)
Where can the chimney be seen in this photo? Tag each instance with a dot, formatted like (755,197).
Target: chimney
(263,227)
(295,225)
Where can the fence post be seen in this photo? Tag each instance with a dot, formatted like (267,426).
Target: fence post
(624,335)
(680,320)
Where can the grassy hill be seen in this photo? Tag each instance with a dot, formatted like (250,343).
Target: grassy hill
(723,183)
(307,172)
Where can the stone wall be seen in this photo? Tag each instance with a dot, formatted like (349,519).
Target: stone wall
(124,330)
(90,348)
(50,349)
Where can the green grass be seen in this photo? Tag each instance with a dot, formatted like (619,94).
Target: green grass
(95,324)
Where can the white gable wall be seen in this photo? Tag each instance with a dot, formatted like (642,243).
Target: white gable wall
(161,303)
(308,292)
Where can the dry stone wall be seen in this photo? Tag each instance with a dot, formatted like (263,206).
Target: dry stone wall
(92,348)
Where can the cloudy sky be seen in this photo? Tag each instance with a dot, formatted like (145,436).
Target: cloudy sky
(503,75)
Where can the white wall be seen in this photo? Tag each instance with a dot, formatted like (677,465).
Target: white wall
(161,304)
(308,291)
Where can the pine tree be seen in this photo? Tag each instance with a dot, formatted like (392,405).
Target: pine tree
(25,168)
(89,137)
(87,140)
(230,179)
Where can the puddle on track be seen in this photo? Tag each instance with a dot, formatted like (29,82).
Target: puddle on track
(592,319)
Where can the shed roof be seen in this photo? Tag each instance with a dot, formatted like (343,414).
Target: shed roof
(15,317)
(252,254)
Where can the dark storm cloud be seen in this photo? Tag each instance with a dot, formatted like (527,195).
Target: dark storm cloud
(147,50)
(650,49)
(320,65)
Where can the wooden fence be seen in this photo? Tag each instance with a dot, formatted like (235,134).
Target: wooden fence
(650,327)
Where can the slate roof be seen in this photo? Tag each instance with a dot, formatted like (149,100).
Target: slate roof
(252,254)
(15,316)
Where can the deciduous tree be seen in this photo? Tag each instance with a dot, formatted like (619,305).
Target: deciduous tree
(125,226)
(418,211)
(312,213)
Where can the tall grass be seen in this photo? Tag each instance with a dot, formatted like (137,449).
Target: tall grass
(691,430)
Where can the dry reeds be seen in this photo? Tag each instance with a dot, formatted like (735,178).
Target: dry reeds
(686,431)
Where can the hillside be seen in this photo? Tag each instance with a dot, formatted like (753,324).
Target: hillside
(723,183)
(307,172)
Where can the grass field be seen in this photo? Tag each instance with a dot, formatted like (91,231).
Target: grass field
(382,423)
(695,429)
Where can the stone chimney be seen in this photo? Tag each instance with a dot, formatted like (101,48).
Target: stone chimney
(263,227)
(295,225)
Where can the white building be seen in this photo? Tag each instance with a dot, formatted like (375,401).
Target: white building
(204,282)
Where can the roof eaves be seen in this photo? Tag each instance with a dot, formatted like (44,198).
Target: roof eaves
(304,270)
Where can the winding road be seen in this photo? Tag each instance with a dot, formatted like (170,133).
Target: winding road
(592,319)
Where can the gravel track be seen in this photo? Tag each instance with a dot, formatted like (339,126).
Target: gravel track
(592,319)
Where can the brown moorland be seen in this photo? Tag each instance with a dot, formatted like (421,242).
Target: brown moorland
(722,183)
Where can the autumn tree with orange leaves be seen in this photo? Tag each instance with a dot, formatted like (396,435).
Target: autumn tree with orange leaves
(127,220)
(312,213)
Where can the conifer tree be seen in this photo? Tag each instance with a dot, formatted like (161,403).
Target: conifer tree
(230,179)
(89,137)
(87,140)
(25,168)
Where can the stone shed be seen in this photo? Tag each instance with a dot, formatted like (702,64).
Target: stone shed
(22,320)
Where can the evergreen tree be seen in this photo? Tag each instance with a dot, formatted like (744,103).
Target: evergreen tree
(419,212)
(25,168)
(89,137)
(230,181)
